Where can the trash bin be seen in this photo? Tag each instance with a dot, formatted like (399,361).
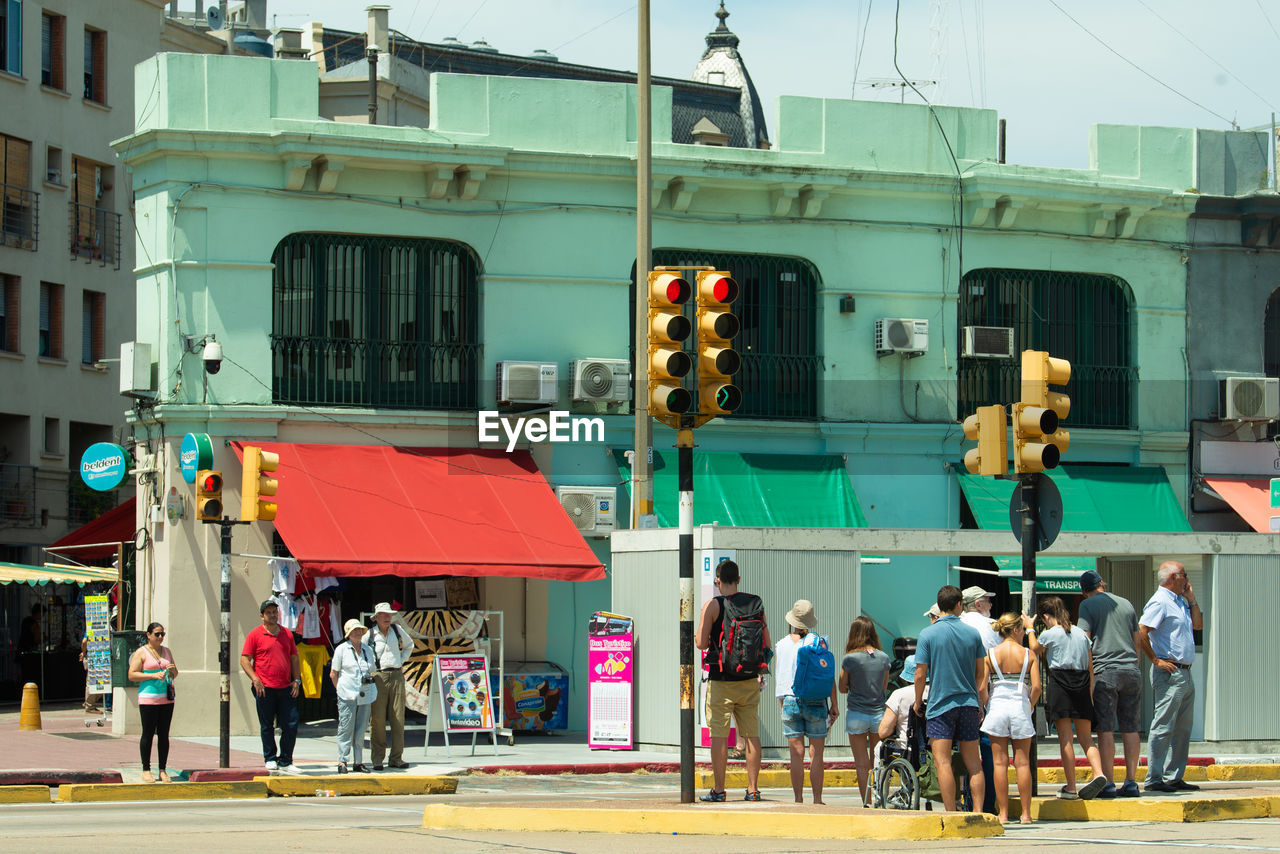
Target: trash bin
(536,697)
(123,645)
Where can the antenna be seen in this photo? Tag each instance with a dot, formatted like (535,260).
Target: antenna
(214,16)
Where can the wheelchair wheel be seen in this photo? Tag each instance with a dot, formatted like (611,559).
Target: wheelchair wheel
(964,794)
(897,788)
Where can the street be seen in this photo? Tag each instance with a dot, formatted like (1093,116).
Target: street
(347,824)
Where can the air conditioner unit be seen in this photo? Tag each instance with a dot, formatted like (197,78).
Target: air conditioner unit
(1250,398)
(591,508)
(901,335)
(988,342)
(528,382)
(600,379)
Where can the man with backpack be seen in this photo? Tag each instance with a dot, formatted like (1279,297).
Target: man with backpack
(734,635)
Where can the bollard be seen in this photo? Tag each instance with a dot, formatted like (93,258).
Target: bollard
(29,717)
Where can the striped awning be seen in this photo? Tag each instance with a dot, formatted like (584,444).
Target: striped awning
(53,573)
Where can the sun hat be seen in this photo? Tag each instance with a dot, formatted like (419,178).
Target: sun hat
(973,594)
(801,615)
(384,608)
(350,626)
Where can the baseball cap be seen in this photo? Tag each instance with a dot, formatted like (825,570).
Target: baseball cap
(267,603)
(1090,580)
(933,611)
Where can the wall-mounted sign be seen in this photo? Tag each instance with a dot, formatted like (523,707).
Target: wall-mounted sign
(104,466)
(196,454)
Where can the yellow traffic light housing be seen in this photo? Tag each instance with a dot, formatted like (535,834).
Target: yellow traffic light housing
(209,495)
(1038,443)
(255,483)
(989,427)
(668,330)
(717,360)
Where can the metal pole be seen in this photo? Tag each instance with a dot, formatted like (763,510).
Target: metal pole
(642,495)
(684,446)
(1030,515)
(224,651)
(372,55)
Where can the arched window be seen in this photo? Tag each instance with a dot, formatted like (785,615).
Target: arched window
(1081,317)
(370,321)
(778,310)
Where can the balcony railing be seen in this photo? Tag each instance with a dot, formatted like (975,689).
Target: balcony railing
(19,217)
(18,494)
(85,504)
(95,234)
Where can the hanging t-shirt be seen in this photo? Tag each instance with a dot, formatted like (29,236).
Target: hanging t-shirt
(309,621)
(284,574)
(288,610)
(330,630)
(324,581)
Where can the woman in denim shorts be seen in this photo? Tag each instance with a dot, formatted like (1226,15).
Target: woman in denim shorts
(800,718)
(864,676)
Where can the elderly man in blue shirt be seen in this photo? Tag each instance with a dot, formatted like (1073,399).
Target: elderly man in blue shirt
(1165,635)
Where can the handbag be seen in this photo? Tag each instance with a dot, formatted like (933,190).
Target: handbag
(169,693)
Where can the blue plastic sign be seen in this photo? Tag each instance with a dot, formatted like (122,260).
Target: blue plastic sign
(196,454)
(104,466)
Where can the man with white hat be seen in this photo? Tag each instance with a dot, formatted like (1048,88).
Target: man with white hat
(977,613)
(391,649)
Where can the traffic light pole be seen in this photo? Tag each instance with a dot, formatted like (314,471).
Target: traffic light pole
(224,645)
(684,450)
(1030,536)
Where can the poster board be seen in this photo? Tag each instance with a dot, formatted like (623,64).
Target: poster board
(97,623)
(463,683)
(610,673)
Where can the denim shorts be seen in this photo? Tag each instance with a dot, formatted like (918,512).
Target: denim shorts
(859,723)
(956,724)
(804,718)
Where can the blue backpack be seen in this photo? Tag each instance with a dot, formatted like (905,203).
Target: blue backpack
(815,670)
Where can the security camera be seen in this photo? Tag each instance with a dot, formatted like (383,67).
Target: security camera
(212,357)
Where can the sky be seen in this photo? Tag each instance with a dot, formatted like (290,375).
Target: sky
(1179,63)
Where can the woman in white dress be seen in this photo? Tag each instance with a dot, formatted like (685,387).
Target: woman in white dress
(1008,716)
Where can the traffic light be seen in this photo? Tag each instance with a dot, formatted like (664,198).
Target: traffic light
(668,330)
(989,427)
(209,495)
(717,360)
(1038,443)
(254,484)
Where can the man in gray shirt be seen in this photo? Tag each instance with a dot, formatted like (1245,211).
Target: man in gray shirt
(1112,625)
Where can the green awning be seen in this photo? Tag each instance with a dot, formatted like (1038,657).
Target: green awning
(755,490)
(54,573)
(1094,498)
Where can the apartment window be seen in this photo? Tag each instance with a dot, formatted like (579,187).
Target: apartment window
(95,65)
(50,320)
(52,436)
(93,328)
(53,165)
(18,210)
(53,38)
(10,314)
(11,36)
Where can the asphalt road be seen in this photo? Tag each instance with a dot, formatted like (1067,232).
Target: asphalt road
(393,823)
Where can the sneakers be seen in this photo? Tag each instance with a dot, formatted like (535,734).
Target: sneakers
(1128,790)
(377,766)
(1090,790)
(752,796)
(1108,792)
(1064,795)
(713,797)
(271,765)
(290,769)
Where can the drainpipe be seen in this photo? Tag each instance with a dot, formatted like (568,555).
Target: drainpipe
(372,53)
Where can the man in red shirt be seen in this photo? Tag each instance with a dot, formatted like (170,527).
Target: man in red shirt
(270,660)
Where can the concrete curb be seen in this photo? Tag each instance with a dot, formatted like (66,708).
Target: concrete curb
(25,795)
(160,791)
(358,784)
(1149,809)
(864,824)
(57,778)
(225,775)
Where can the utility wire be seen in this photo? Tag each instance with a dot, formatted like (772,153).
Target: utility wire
(1205,54)
(1267,18)
(1139,68)
(862,44)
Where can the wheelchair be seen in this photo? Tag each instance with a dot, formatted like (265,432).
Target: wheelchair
(896,782)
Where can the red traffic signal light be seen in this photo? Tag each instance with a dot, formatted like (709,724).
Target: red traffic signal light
(667,331)
(209,495)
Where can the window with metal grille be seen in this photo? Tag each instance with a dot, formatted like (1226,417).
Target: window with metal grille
(93,328)
(52,50)
(51,320)
(95,65)
(368,321)
(778,309)
(11,36)
(10,312)
(1081,317)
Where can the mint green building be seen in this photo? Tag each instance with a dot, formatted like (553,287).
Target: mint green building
(368,284)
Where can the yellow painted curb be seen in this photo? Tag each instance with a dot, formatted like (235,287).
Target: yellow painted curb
(359,784)
(1243,772)
(779,778)
(25,795)
(880,824)
(1148,809)
(81,792)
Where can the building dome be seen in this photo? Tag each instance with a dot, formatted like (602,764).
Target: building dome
(722,64)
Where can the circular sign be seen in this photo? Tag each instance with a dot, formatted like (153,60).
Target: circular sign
(196,454)
(1048,509)
(104,466)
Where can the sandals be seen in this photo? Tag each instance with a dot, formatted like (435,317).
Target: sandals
(752,796)
(164,776)
(148,777)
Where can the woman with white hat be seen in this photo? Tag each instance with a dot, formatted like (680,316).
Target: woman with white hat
(803,718)
(352,672)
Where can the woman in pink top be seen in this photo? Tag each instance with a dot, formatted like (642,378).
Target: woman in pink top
(153,668)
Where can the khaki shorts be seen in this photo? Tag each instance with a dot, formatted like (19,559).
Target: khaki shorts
(737,700)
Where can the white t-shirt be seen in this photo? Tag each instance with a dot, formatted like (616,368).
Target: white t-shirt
(990,640)
(900,702)
(784,664)
(351,670)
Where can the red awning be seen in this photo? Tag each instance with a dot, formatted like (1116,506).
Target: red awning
(117,525)
(1249,497)
(380,510)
